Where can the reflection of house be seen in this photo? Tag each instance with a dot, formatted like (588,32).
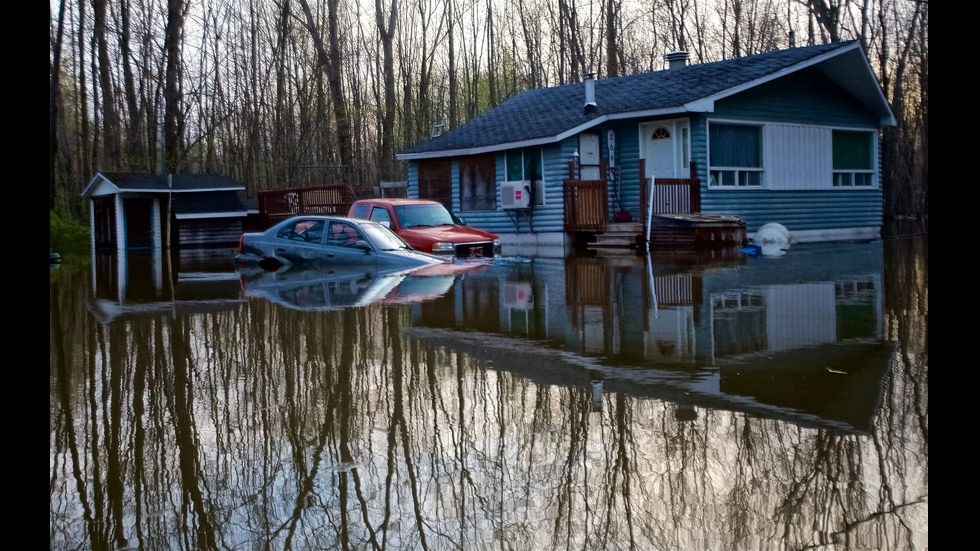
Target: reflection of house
(131,210)
(686,332)
(788,136)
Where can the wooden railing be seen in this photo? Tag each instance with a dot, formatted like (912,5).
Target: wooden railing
(677,195)
(586,202)
(280,204)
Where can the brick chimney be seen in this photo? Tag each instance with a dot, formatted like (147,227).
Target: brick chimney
(676,59)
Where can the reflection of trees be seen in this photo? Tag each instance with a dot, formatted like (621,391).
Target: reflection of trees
(263,427)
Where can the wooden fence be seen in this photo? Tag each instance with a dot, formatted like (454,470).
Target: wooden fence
(280,204)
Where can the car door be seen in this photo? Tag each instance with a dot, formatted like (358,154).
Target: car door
(300,242)
(341,245)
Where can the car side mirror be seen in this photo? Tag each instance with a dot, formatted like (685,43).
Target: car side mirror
(363,245)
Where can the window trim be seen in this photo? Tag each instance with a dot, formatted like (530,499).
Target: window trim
(538,196)
(739,173)
(845,178)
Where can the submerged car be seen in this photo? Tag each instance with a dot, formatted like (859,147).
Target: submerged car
(428,226)
(329,240)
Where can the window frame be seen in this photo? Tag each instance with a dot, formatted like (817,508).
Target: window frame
(742,177)
(843,178)
(525,152)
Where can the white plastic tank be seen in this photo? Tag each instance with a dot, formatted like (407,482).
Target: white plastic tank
(772,239)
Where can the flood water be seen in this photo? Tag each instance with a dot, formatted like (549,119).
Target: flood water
(663,402)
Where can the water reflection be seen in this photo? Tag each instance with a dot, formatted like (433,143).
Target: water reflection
(337,286)
(681,402)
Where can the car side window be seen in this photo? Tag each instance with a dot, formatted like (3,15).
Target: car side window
(381,216)
(360,211)
(310,231)
(342,235)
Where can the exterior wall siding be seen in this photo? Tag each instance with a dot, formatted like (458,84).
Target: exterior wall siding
(209,233)
(801,98)
(797,157)
(798,210)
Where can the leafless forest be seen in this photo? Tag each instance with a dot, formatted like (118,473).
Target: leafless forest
(281,93)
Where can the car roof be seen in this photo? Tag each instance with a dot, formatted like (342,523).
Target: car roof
(327,217)
(397,201)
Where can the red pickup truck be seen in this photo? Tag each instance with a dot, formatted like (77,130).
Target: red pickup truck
(428,226)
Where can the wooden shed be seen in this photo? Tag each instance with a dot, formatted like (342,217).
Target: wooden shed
(134,210)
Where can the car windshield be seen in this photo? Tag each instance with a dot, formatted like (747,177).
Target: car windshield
(423,215)
(383,238)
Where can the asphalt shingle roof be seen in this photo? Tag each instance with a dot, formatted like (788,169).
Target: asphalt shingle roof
(181,182)
(548,112)
(207,202)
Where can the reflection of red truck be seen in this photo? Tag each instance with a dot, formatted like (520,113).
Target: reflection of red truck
(428,226)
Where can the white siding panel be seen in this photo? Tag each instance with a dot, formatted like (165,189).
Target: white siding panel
(799,316)
(797,157)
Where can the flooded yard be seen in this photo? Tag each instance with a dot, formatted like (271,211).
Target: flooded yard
(672,401)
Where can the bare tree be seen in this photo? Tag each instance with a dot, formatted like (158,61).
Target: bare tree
(827,14)
(612,57)
(110,118)
(54,113)
(331,60)
(386,32)
(173,121)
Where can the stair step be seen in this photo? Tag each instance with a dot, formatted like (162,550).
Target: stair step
(605,241)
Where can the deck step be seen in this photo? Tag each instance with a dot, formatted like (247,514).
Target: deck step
(613,241)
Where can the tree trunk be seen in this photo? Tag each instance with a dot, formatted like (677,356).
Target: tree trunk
(53,113)
(386,32)
(110,118)
(172,119)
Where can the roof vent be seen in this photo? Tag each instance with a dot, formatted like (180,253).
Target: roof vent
(590,90)
(676,59)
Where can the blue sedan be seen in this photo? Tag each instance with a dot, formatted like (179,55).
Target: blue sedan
(326,240)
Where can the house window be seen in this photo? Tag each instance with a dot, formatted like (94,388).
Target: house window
(735,155)
(853,158)
(477,186)
(525,165)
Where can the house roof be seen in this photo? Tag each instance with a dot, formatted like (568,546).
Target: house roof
(548,115)
(108,183)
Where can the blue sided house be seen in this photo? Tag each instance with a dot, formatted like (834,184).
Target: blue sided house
(789,136)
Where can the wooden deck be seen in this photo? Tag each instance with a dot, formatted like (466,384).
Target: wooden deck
(700,231)
(674,232)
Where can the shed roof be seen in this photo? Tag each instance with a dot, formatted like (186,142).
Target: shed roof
(104,183)
(208,204)
(548,115)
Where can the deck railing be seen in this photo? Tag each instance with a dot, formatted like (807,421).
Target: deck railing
(586,202)
(677,195)
(280,204)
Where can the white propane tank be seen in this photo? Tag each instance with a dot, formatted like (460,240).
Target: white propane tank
(772,239)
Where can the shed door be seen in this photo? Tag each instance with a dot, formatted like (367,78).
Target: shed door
(139,234)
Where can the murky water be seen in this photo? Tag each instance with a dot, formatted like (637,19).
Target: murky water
(670,402)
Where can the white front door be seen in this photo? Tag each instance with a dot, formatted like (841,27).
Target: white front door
(665,146)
